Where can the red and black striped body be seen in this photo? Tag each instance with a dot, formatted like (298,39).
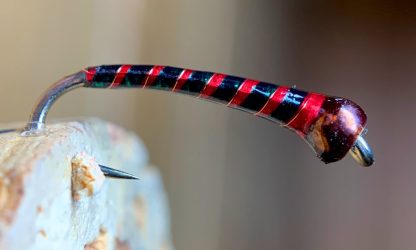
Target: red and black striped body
(330,125)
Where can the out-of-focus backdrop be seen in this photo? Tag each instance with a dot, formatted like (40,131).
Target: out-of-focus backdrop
(234,181)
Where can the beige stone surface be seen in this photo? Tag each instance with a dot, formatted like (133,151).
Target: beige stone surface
(53,195)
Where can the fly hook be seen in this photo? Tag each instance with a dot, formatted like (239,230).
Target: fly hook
(332,126)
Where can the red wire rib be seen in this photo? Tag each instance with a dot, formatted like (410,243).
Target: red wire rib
(274,100)
(212,85)
(307,114)
(152,75)
(120,75)
(243,91)
(183,77)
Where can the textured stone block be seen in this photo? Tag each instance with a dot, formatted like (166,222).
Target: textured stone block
(54,196)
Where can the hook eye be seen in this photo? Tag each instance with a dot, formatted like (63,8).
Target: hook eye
(362,153)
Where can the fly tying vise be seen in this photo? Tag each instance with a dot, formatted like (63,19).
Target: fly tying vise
(332,126)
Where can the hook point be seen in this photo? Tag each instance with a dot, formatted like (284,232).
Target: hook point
(117,174)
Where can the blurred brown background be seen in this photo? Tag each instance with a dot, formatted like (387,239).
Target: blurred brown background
(234,181)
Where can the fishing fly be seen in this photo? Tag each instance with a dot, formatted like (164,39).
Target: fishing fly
(332,126)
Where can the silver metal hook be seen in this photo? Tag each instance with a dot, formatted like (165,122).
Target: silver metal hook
(36,123)
(38,116)
(362,153)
